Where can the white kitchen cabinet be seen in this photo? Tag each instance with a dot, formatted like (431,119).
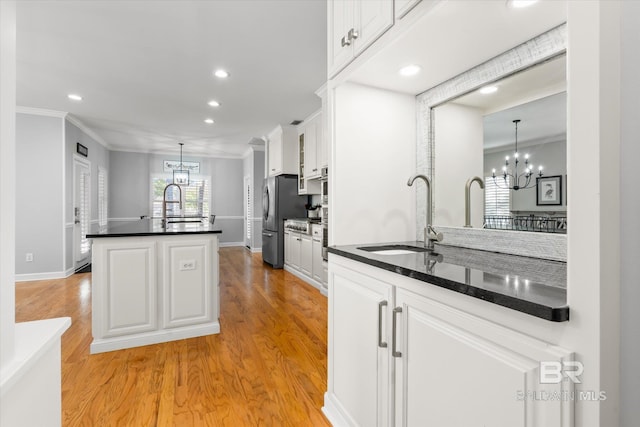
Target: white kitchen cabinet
(402,7)
(153,289)
(287,247)
(359,382)
(437,359)
(125,291)
(282,146)
(316,252)
(294,249)
(353,26)
(306,255)
(187,274)
(309,154)
(323,133)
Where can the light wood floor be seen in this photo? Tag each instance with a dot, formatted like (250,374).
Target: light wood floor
(267,367)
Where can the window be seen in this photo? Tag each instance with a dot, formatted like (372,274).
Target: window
(103,197)
(84,211)
(195,196)
(497,203)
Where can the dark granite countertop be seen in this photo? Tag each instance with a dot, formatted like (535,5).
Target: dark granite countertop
(529,285)
(151,227)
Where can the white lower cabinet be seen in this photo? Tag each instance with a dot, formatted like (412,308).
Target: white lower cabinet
(303,255)
(399,358)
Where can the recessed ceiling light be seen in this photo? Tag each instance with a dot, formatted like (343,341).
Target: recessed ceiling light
(213,103)
(208,121)
(221,74)
(488,89)
(410,70)
(519,4)
(74,97)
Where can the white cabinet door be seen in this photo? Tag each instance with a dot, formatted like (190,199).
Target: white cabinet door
(317,259)
(359,359)
(188,289)
(125,277)
(275,152)
(341,16)
(306,255)
(448,356)
(311,148)
(287,247)
(372,19)
(294,250)
(402,7)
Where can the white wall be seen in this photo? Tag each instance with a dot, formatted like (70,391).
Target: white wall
(458,157)
(629,221)
(373,144)
(40,189)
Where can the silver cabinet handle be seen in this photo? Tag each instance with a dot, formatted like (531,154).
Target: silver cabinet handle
(345,41)
(353,34)
(394,352)
(380,342)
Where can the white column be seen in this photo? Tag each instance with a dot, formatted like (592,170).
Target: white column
(7,179)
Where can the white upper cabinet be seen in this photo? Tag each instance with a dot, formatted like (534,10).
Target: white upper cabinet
(402,7)
(282,148)
(310,152)
(353,26)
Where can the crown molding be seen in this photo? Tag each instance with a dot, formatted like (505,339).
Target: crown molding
(41,112)
(84,128)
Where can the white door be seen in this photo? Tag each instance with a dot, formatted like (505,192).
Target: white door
(248,211)
(81,211)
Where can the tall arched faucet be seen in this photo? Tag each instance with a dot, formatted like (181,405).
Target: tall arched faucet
(467,198)
(430,235)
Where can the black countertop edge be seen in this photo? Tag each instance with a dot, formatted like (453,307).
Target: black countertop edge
(152,233)
(150,227)
(553,314)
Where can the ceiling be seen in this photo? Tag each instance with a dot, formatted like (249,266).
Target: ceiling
(145,68)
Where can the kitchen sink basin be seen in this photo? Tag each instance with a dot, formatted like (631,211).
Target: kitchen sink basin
(393,249)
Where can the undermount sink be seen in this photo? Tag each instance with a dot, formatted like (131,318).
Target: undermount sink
(393,249)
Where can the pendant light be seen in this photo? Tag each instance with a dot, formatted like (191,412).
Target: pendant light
(512,180)
(181,175)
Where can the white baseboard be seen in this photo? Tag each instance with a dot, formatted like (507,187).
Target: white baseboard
(258,249)
(304,277)
(229,244)
(155,337)
(29,277)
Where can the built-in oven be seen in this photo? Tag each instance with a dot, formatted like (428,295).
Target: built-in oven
(324,185)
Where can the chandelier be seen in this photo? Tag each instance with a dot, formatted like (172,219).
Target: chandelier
(513,180)
(181,175)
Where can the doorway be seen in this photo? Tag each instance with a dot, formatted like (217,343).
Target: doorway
(81,212)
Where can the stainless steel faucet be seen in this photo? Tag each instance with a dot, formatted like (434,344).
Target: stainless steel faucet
(165,202)
(467,198)
(430,234)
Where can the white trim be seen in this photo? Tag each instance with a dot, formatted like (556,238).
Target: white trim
(33,340)
(68,225)
(229,217)
(232,244)
(41,112)
(29,277)
(303,277)
(255,249)
(93,221)
(84,128)
(64,196)
(156,337)
(172,153)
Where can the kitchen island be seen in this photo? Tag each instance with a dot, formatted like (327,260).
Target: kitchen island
(153,282)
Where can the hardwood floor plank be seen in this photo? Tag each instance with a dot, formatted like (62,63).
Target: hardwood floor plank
(267,367)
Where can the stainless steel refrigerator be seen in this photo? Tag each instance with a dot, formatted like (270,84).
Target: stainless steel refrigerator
(280,201)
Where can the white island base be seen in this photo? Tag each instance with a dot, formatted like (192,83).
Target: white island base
(153,289)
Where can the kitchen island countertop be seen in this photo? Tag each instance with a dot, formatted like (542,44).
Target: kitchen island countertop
(150,227)
(529,285)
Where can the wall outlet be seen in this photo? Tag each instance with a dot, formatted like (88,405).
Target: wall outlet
(29,257)
(189,264)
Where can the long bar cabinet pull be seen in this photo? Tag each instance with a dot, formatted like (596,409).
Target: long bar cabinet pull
(380,342)
(394,352)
